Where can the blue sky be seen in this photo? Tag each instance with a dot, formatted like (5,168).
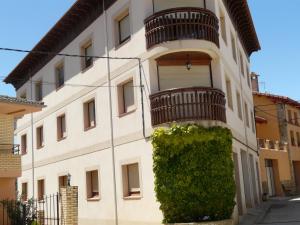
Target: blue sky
(24,23)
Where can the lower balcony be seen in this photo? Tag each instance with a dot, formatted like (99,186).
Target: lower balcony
(10,161)
(188,104)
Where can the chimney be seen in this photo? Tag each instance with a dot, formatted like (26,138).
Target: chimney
(254,82)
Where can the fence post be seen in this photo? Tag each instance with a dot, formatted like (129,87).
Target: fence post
(69,205)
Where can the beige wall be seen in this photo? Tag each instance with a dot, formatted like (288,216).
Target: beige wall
(6,129)
(8,188)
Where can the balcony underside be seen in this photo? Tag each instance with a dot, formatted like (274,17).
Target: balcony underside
(182,24)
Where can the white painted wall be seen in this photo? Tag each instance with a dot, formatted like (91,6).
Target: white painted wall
(85,149)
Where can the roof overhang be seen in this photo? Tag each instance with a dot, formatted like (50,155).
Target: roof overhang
(18,107)
(241,16)
(279,99)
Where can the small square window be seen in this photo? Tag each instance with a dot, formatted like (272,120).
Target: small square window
(38,91)
(40,137)
(24,144)
(92,184)
(89,114)
(59,75)
(124,28)
(87,52)
(41,189)
(131,180)
(61,127)
(62,181)
(24,192)
(126,97)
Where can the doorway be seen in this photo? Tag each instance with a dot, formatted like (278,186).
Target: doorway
(270,177)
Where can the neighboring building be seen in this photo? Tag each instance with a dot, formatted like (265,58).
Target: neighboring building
(191,66)
(10,154)
(278,133)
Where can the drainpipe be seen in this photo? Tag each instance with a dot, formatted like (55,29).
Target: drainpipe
(111,115)
(32,139)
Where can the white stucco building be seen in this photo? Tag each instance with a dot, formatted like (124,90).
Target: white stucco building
(194,67)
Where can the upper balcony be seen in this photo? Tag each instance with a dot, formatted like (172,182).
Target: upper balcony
(10,161)
(265,144)
(182,23)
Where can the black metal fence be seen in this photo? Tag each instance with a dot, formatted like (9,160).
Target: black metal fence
(44,211)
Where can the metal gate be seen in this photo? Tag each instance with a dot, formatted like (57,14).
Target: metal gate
(43,211)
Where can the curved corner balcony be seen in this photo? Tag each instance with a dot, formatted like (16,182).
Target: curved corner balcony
(187,104)
(182,24)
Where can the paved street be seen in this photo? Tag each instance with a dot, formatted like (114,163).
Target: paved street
(277,212)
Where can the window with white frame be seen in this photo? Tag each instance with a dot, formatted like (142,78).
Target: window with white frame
(61,127)
(229,94)
(24,144)
(223,26)
(126,97)
(131,180)
(24,191)
(92,184)
(123,23)
(239,105)
(59,75)
(38,91)
(41,189)
(233,47)
(87,52)
(247,115)
(40,137)
(89,114)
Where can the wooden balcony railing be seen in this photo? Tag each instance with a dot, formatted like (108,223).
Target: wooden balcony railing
(182,24)
(187,104)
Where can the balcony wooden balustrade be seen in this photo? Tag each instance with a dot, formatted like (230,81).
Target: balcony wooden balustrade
(187,104)
(182,24)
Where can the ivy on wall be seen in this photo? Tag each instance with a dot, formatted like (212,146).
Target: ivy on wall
(194,173)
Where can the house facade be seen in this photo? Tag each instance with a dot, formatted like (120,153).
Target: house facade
(278,132)
(158,62)
(10,153)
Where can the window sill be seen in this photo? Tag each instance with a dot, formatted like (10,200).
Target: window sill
(60,87)
(120,45)
(83,70)
(127,113)
(61,139)
(94,199)
(139,197)
(89,128)
(40,147)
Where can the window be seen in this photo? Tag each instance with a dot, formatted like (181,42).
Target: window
(296,118)
(62,181)
(59,75)
(229,94)
(292,138)
(298,138)
(247,115)
(223,27)
(92,184)
(253,122)
(89,114)
(239,105)
(124,27)
(38,91)
(24,192)
(131,180)
(126,97)
(248,76)
(290,116)
(242,64)
(61,127)
(40,137)
(233,46)
(87,51)
(41,189)
(24,144)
